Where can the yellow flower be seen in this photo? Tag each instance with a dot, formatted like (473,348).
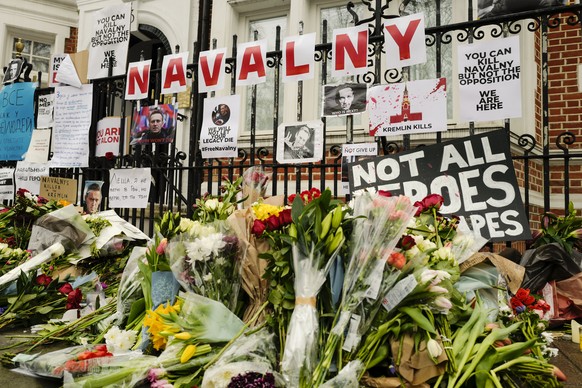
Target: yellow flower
(183,336)
(263,211)
(188,353)
(159,327)
(63,202)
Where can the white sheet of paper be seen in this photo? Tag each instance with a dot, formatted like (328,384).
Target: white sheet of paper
(129,188)
(6,184)
(27,175)
(39,146)
(67,73)
(73,110)
(46,105)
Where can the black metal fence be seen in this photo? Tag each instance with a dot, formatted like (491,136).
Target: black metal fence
(181,175)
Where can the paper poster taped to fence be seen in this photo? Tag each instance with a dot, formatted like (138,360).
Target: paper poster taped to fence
(211,74)
(475,175)
(108,135)
(298,57)
(38,150)
(109,41)
(351,153)
(6,184)
(56,188)
(489,80)
(219,135)
(56,60)
(129,188)
(404,41)
(45,109)
(344,99)
(73,110)
(137,84)
(16,119)
(405,108)
(27,176)
(154,124)
(300,142)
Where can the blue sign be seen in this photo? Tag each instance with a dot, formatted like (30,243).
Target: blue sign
(16,119)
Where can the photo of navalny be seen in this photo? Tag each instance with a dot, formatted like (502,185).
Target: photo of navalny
(344,99)
(154,124)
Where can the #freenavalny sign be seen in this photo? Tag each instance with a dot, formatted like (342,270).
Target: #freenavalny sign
(475,176)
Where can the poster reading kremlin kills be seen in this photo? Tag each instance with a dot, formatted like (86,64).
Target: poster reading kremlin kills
(110,41)
(411,107)
(475,176)
(489,80)
(220,127)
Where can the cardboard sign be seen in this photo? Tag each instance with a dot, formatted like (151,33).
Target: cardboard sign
(56,188)
(475,176)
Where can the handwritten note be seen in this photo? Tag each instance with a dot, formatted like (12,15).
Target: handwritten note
(129,188)
(16,119)
(39,146)
(72,121)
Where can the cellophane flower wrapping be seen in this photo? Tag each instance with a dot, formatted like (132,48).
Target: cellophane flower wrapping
(254,185)
(368,276)
(205,259)
(378,225)
(255,352)
(348,377)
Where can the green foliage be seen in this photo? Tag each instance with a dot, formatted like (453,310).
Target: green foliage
(564,230)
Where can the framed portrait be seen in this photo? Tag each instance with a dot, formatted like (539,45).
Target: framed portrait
(13,70)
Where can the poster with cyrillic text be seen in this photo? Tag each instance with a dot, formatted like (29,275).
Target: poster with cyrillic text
(16,119)
(109,41)
(404,41)
(129,188)
(38,150)
(27,176)
(219,135)
(489,80)
(406,108)
(474,175)
(6,184)
(73,108)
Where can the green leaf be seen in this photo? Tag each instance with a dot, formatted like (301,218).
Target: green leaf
(275,297)
(419,318)
(44,309)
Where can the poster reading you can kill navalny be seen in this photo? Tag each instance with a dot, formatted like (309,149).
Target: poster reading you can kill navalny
(475,176)
(219,135)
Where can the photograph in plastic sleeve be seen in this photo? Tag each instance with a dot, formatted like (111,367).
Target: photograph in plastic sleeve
(154,124)
(300,142)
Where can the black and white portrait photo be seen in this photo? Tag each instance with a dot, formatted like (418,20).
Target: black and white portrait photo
(300,142)
(344,99)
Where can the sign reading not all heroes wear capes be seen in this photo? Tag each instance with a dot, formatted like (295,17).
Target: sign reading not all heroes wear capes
(475,176)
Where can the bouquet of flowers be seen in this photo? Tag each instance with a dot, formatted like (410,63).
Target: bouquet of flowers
(218,207)
(317,228)
(254,185)
(379,222)
(249,362)
(205,260)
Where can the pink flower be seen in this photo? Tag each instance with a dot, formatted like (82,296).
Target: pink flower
(155,373)
(161,248)
(433,201)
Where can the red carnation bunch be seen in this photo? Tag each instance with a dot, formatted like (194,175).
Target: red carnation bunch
(307,195)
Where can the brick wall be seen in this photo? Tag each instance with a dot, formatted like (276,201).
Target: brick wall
(71,41)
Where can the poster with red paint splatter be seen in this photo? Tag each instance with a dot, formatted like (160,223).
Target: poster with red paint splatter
(405,108)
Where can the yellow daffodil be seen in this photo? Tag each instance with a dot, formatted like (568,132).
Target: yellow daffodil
(188,353)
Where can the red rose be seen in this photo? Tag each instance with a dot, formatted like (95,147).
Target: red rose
(530,300)
(433,201)
(43,280)
(109,156)
(41,200)
(66,288)
(273,223)
(285,217)
(515,303)
(258,227)
(21,192)
(291,198)
(419,208)
(407,242)
(522,294)
(74,299)
(305,196)
(384,193)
